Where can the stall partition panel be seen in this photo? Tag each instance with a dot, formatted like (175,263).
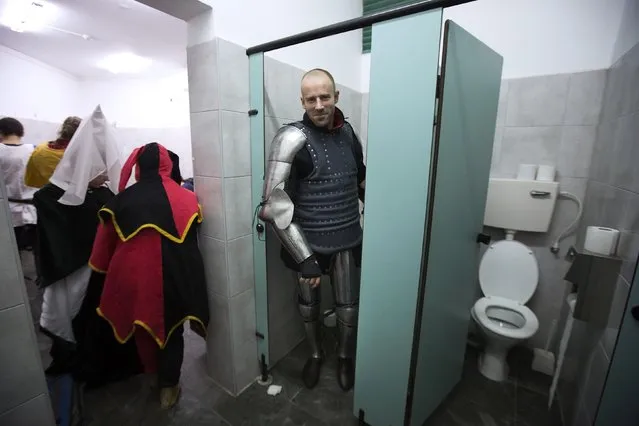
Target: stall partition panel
(465,129)
(403,80)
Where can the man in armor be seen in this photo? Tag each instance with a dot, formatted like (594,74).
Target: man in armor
(315,178)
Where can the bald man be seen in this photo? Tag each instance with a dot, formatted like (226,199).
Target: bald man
(315,178)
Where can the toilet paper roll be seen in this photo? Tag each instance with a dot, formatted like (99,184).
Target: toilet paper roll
(527,172)
(546,173)
(601,240)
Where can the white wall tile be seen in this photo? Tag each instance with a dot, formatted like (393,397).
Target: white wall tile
(242,314)
(503,103)
(35,412)
(236,144)
(537,101)
(214,254)
(203,76)
(205,143)
(10,278)
(21,377)
(625,173)
(219,349)
(617,309)
(240,264)
(233,69)
(585,97)
(575,151)
(239,208)
(210,195)
(533,145)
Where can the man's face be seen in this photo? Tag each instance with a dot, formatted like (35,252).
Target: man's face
(319,98)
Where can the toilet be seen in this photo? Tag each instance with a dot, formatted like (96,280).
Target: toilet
(508,270)
(508,276)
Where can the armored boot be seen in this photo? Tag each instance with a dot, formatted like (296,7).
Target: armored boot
(312,326)
(346,323)
(345,281)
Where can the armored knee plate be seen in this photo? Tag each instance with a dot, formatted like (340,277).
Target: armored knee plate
(347,315)
(309,312)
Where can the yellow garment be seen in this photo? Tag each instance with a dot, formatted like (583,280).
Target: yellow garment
(41,165)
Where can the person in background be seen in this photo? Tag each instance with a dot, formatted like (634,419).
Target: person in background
(13,160)
(146,246)
(14,156)
(176,174)
(67,206)
(188,184)
(46,156)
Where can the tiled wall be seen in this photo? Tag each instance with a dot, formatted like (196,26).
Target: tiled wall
(612,200)
(23,392)
(283,105)
(218,92)
(549,120)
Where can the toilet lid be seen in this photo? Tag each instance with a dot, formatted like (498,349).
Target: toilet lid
(509,269)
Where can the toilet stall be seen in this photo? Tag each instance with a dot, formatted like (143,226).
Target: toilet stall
(432,114)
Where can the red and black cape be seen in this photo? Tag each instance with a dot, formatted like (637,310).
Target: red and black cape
(147,246)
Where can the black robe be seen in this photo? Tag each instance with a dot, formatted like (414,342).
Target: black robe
(65,239)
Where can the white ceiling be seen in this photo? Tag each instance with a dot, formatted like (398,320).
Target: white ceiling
(115,26)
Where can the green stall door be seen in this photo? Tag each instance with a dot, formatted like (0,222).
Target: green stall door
(470,82)
(403,80)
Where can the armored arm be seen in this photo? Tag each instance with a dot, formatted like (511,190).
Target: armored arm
(277,207)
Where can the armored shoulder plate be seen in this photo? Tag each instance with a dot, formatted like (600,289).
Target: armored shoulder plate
(286,144)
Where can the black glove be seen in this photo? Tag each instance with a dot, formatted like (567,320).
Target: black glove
(310,268)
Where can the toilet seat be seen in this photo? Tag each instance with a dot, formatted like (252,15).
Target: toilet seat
(509,269)
(531,323)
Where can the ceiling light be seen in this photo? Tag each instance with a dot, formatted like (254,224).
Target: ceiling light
(124,63)
(27,15)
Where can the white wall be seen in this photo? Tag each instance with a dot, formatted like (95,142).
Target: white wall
(146,103)
(143,110)
(541,37)
(40,92)
(34,90)
(628,31)
(250,22)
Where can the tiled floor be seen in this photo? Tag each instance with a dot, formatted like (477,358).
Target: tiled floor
(476,401)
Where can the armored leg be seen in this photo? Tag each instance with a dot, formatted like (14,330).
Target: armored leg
(309,306)
(345,283)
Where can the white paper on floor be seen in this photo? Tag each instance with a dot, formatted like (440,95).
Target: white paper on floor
(274,390)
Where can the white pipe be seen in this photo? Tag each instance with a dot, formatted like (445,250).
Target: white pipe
(555,245)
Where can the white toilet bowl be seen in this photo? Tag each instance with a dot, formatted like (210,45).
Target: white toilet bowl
(508,276)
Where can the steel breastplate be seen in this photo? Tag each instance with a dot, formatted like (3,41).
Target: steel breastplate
(326,202)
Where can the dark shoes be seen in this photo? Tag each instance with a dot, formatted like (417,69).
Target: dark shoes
(345,373)
(311,372)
